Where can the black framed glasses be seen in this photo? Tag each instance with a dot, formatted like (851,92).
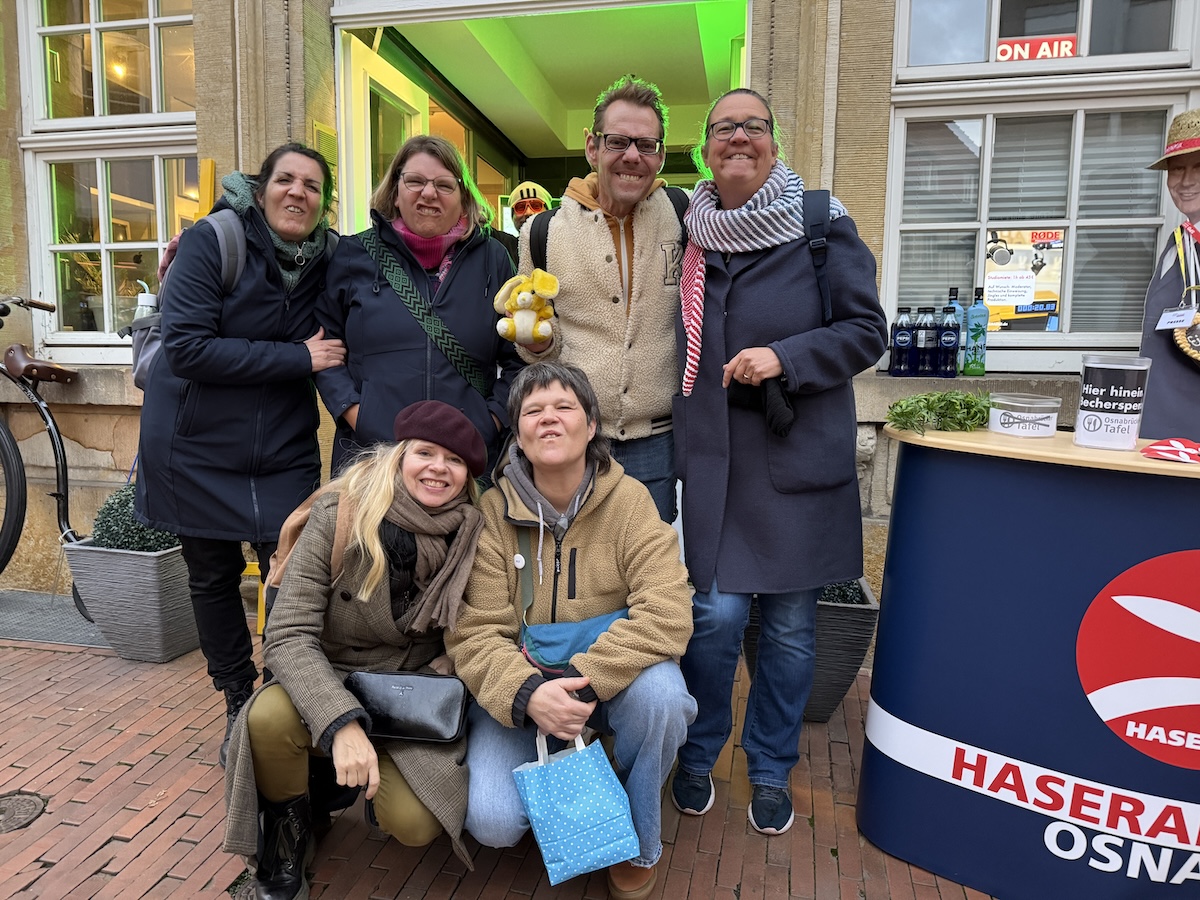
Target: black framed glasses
(753,128)
(619,143)
(416,183)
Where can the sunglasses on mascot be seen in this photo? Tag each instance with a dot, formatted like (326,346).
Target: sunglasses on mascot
(522,207)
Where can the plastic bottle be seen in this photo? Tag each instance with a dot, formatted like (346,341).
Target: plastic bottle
(147,302)
(959,311)
(949,333)
(975,358)
(925,337)
(902,343)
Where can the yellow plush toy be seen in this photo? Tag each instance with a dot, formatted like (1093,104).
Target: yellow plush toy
(524,302)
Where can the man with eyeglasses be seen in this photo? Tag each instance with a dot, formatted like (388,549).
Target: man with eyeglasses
(527,200)
(616,246)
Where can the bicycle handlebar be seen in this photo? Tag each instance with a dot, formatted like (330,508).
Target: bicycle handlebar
(29,304)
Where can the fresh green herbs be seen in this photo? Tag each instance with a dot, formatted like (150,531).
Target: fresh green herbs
(941,410)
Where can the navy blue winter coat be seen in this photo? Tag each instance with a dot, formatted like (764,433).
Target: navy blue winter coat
(390,360)
(228,442)
(763,513)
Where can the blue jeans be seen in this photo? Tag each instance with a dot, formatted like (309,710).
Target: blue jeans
(651,460)
(778,695)
(649,720)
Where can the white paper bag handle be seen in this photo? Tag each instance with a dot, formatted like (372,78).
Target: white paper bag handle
(544,752)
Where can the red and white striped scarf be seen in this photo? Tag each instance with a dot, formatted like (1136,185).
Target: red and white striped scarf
(773,216)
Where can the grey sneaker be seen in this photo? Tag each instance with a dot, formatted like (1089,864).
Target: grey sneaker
(770,809)
(692,795)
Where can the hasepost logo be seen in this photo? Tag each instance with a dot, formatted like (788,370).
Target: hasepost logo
(1138,655)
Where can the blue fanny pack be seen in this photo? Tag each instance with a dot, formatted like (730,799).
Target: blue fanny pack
(549,647)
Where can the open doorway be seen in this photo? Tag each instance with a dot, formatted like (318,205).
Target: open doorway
(515,93)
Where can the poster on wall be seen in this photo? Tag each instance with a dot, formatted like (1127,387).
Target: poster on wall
(1022,283)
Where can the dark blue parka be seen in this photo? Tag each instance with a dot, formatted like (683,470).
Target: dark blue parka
(390,360)
(763,513)
(229,421)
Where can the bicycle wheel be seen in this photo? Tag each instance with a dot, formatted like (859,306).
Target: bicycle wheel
(12,495)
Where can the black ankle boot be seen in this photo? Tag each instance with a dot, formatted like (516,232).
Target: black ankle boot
(287,846)
(235,699)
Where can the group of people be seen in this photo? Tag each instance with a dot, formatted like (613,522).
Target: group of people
(670,327)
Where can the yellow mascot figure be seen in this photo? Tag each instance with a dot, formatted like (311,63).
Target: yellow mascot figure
(524,303)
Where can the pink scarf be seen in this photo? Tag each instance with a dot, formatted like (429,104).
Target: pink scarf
(431,251)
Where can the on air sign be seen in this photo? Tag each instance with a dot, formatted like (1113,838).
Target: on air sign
(1058,46)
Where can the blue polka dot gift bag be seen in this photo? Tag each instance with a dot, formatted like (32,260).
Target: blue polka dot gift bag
(578,809)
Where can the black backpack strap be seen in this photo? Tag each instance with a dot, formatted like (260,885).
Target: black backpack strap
(680,200)
(816,227)
(539,234)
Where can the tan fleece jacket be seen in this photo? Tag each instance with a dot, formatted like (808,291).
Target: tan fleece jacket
(617,552)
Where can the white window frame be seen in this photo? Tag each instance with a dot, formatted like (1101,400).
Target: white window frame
(1168,80)
(90,347)
(33,72)
(1022,351)
(46,140)
(1183,30)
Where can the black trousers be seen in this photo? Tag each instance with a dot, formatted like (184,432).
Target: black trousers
(214,577)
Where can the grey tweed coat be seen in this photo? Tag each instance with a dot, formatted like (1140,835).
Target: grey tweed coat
(318,633)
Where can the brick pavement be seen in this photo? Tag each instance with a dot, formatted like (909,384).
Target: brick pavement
(124,754)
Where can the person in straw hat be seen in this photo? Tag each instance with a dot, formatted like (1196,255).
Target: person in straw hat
(1172,406)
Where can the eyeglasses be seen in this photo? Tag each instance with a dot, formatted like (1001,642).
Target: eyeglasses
(416,184)
(522,207)
(619,143)
(752,128)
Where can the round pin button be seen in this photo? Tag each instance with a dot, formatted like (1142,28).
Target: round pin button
(519,561)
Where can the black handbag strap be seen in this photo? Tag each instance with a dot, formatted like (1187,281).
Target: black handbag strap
(439,332)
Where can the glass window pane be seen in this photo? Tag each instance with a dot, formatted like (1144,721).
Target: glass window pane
(115,10)
(1030,168)
(125,56)
(1130,26)
(491,184)
(66,12)
(182,185)
(74,201)
(941,171)
(1024,18)
(131,200)
(178,69)
(1112,267)
(128,267)
(80,290)
(69,89)
(1116,147)
(947,31)
(931,262)
(174,7)
(389,129)
(445,125)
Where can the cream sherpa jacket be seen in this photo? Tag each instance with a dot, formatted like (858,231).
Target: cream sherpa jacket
(625,344)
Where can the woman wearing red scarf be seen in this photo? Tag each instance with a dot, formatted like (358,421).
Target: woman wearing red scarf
(429,256)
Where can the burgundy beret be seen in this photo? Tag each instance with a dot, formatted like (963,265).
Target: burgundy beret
(442,424)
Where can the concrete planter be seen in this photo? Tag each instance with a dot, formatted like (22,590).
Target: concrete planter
(139,601)
(844,632)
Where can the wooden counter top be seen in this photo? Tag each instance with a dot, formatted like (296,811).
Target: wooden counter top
(1059,450)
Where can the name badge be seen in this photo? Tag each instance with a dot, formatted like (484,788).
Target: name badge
(1175,317)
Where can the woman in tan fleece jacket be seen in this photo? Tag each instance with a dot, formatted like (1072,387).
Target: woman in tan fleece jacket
(596,545)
